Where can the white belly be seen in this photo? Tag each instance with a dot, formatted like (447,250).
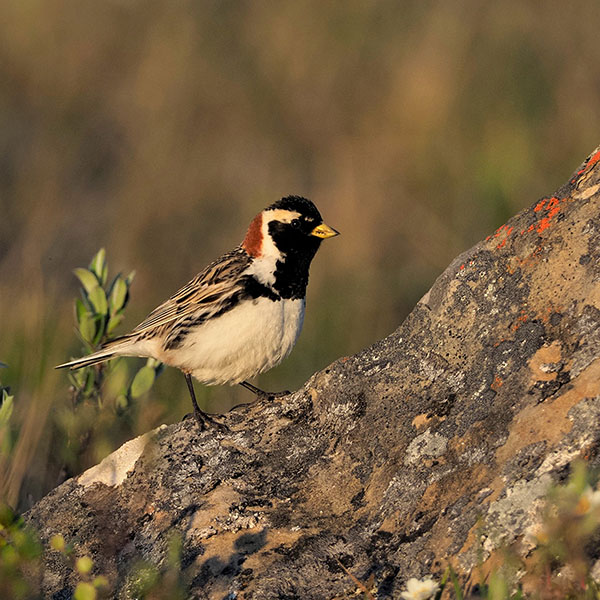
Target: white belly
(250,339)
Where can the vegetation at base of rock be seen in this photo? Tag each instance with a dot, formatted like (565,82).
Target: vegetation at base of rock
(558,566)
(21,570)
(20,553)
(89,586)
(151,582)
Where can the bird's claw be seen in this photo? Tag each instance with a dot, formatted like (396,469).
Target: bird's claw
(205,421)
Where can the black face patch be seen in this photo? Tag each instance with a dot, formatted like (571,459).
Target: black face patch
(298,248)
(295,239)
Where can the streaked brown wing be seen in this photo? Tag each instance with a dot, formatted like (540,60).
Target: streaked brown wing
(205,293)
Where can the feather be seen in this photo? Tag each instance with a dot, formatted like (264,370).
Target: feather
(202,296)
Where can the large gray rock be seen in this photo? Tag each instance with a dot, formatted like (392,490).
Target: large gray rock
(385,460)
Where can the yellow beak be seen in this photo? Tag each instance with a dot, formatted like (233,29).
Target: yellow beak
(324,231)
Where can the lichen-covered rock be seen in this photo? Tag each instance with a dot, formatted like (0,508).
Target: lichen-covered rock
(385,461)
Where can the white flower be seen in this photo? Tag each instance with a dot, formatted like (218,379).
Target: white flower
(420,590)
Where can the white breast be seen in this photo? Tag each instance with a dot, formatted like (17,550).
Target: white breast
(251,338)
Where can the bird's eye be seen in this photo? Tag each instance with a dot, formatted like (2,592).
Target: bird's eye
(296,223)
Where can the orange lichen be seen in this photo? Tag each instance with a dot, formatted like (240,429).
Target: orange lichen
(552,208)
(521,320)
(497,383)
(590,163)
(544,224)
(499,230)
(502,229)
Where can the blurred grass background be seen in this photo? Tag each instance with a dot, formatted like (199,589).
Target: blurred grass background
(158,129)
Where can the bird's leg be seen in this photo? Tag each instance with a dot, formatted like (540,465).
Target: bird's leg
(201,417)
(253,388)
(262,394)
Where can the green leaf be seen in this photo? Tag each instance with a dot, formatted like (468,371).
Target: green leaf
(113,322)
(90,380)
(578,480)
(121,404)
(85,591)
(97,297)
(57,542)
(100,582)
(8,517)
(77,378)
(80,310)
(88,280)
(174,551)
(457,591)
(10,557)
(442,584)
(498,587)
(87,327)
(100,329)
(142,382)
(84,565)
(6,408)
(30,547)
(118,293)
(98,265)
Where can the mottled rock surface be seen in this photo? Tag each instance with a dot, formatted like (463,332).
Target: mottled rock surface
(384,460)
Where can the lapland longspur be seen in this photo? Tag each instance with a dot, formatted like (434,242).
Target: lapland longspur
(242,314)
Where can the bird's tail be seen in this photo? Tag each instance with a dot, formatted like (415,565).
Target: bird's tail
(116,347)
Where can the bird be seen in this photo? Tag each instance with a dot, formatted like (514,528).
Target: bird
(241,315)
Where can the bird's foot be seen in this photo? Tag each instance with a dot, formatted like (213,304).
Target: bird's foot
(262,395)
(205,421)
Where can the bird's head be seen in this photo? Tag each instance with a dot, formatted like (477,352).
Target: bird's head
(290,226)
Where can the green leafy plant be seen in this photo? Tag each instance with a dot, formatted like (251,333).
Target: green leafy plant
(20,554)
(97,314)
(90,587)
(87,423)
